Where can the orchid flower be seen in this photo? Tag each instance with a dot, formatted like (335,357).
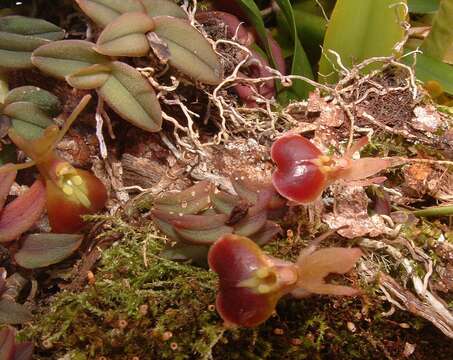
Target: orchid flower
(251,282)
(303,171)
(70,192)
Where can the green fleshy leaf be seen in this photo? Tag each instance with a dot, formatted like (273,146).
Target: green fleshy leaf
(45,100)
(132,97)
(203,237)
(65,57)
(27,119)
(190,52)
(359,30)
(91,77)
(15,50)
(13,313)
(439,43)
(103,12)
(300,64)
(423,6)
(164,7)
(126,36)
(251,224)
(196,254)
(31,27)
(40,250)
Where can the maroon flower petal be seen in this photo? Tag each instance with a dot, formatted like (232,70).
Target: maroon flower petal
(249,283)
(297,178)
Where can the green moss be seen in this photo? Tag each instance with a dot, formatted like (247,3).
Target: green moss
(108,319)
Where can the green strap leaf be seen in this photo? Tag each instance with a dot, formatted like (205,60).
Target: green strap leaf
(45,100)
(300,64)
(13,313)
(126,36)
(132,97)
(40,250)
(359,30)
(27,26)
(164,7)
(102,12)
(428,68)
(439,43)
(423,6)
(189,51)
(65,57)
(27,119)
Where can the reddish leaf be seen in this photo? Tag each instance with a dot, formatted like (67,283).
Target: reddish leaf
(19,215)
(6,181)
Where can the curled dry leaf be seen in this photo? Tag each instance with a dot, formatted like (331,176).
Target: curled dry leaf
(40,250)
(126,36)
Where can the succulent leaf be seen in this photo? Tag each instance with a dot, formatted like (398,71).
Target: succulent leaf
(190,201)
(196,254)
(252,223)
(164,7)
(190,52)
(65,57)
(16,50)
(45,100)
(203,237)
(19,215)
(91,77)
(132,97)
(103,12)
(224,202)
(125,36)
(27,119)
(29,26)
(266,233)
(40,250)
(13,313)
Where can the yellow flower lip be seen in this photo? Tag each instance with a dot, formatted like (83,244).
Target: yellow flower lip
(72,184)
(269,279)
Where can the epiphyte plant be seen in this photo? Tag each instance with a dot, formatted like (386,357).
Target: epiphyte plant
(132,28)
(196,217)
(303,171)
(252,282)
(70,192)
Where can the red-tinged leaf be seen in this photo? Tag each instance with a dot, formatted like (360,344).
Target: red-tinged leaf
(7,342)
(190,201)
(102,12)
(6,181)
(266,233)
(315,267)
(19,215)
(24,351)
(252,223)
(296,177)
(13,313)
(203,237)
(40,250)
(196,254)
(199,222)
(165,227)
(224,202)
(126,36)
(65,210)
